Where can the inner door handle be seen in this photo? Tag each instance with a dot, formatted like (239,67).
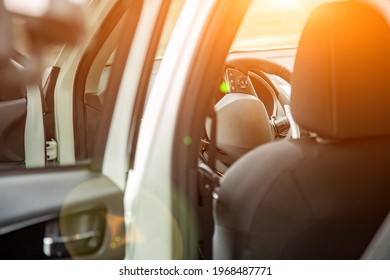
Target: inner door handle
(80,234)
(55,246)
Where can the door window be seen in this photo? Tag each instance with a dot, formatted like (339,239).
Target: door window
(28,134)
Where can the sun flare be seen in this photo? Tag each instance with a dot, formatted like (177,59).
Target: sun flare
(289,4)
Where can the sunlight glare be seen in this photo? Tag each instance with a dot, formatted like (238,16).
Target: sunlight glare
(289,4)
(34,8)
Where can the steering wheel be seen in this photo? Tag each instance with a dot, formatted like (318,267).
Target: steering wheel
(246,64)
(239,74)
(255,67)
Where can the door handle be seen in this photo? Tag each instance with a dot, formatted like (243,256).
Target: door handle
(80,234)
(55,246)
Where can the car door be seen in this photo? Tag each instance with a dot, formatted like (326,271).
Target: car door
(73,208)
(164,196)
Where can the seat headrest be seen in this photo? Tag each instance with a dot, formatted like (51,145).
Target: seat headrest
(341,80)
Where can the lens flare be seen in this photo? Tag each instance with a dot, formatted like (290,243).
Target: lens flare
(187,140)
(224,87)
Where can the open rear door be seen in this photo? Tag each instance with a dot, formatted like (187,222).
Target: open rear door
(73,208)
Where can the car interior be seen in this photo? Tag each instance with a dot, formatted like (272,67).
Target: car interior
(73,210)
(312,186)
(81,214)
(293,161)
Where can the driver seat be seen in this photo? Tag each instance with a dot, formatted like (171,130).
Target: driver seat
(325,196)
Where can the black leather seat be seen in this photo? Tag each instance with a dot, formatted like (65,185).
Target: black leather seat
(13,112)
(322,197)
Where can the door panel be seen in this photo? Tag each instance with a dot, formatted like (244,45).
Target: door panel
(79,216)
(73,212)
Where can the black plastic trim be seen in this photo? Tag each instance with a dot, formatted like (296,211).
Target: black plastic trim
(79,114)
(48,93)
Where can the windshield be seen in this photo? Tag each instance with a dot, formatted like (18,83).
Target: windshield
(273,24)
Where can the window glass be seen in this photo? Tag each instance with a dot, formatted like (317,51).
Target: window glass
(28,135)
(172,17)
(273,24)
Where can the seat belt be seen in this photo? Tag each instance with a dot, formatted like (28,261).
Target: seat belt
(379,247)
(208,183)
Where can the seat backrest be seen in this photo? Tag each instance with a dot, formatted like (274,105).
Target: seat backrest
(324,197)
